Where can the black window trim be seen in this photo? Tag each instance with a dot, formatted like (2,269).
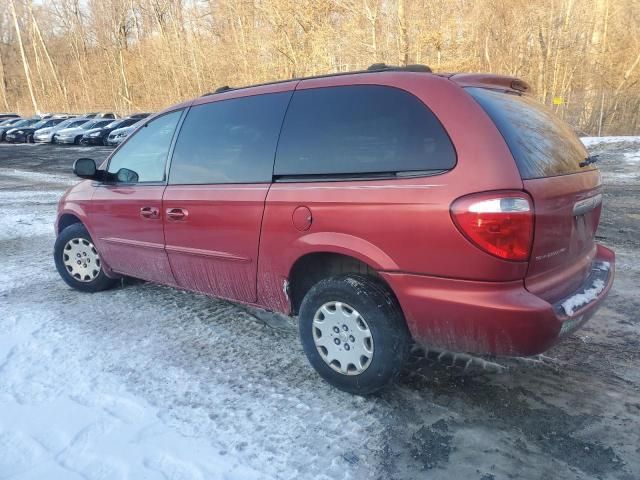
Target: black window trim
(104,183)
(352,177)
(372,176)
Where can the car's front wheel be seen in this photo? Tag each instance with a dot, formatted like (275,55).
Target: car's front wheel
(78,261)
(353,333)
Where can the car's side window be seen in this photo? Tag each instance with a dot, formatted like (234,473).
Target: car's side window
(229,141)
(360,130)
(145,153)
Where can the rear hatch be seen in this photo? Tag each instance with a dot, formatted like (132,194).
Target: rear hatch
(563,182)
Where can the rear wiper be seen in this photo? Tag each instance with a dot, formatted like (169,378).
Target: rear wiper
(589,160)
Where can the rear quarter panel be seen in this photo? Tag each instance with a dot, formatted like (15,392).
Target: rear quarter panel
(394,225)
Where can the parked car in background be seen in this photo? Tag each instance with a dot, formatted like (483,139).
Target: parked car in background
(98,135)
(26,134)
(117,136)
(97,115)
(385,215)
(139,115)
(8,122)
(22,123)
(5,116)
(74,135)
(45,135)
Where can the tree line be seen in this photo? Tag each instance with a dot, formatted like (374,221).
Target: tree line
(582,57)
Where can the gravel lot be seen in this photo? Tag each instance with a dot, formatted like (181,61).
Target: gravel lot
(145,381)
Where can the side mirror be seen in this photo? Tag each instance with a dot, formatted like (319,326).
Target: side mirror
(85,168)
(124,175)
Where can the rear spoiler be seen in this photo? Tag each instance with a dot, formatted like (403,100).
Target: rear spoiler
(488,80)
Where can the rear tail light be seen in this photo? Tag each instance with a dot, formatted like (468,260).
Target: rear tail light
(500,223)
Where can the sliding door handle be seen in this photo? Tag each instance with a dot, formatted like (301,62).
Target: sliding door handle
(149,212)
(177,213)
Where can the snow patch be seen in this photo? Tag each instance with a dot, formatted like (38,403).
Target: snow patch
(573,303)
(632,157)
(37,177)
(17,222)
(591,141)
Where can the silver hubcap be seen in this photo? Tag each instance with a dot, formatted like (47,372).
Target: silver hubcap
(342,338)
(81,259)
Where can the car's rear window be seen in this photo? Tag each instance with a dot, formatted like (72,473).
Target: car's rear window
(541,143)
(361,129)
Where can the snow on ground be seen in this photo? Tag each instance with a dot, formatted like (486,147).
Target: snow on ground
(632,157)
(36,177)
(622,155)
(592,141)
(149,382)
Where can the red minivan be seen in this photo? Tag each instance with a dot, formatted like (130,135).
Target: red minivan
(379,207)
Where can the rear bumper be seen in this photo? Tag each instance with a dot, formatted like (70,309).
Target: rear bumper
(494,317)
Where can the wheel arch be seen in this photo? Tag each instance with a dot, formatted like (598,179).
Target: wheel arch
(73,214)
(311,267)
(65,220)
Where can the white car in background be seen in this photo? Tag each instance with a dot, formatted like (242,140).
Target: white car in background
(45,135)
(119,134)
(74,135)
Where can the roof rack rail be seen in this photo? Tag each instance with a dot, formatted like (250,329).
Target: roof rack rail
(225,88)
(376,67)
(416,67)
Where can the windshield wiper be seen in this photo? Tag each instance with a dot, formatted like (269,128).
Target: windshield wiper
(589,160)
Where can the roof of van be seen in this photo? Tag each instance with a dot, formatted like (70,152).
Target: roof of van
(375,68)
(487,80)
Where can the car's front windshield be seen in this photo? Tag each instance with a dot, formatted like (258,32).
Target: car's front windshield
(88,125)
(76,123)
(101,123)
(42,124)
(21,123)
(69,122)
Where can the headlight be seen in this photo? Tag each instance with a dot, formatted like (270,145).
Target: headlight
(19,132)
(95,134)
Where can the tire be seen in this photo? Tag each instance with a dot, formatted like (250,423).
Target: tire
(77,140)
(75,240)
(380,357)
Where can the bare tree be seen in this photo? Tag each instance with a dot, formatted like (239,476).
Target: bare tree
(581,56)
(25,62)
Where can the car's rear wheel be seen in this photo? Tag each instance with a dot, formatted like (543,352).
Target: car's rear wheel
(78,261)
(353,333)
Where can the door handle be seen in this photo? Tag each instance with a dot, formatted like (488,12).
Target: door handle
(177,213)
(149,212)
